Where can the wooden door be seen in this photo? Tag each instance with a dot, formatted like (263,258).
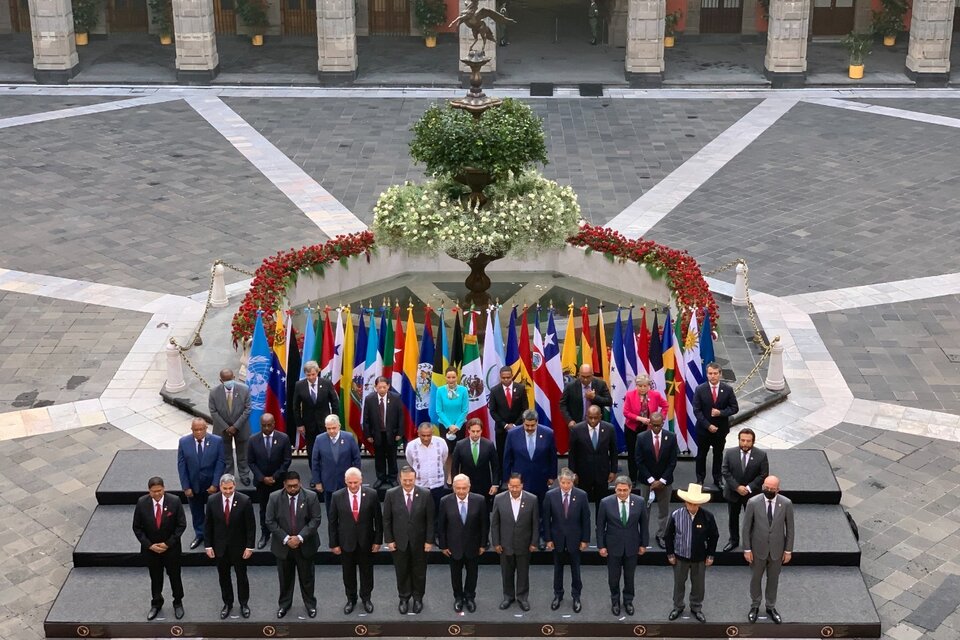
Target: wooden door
(299,17)
(224,16)
(721,16)
(127,16)
(832,17)
(389,17)
(20,16)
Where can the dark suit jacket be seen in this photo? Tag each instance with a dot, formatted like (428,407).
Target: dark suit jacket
(535,472)
(463,540)
(200,475)
(647,463)
(593,466)
(173,523)
(276,464)
(735,475)
(703,403)
(705,535)
(222,417)
(502,414)
(408,530)
(230,539)
(371,415)
(566,533)
(308,414)
(515,536)
(617,538)
(308,521)
(571,402)
(328,469)
(485,473)
(368,528)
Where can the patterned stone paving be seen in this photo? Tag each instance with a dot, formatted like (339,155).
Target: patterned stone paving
(943,107)
(22,105)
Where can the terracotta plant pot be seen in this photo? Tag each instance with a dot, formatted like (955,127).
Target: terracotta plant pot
(856,71)
(81,39)
(668,42)
(889,41)
(431,41)
(257,40)
(166,40)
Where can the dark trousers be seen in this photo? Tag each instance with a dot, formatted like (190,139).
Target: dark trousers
(572,558)
(734,507)
(198,509)
(501,443)
(697,572)
(631,437)
(706,441)
(385,456)
(625,565)
(239,565)
(515,574)
(350,561)
(263,495)
(296,562)
(596,493)
(464,588)
(157,563)
(437,493)
(411,567)
(310,437)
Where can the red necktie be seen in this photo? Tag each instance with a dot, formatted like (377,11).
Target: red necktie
(508,391)
(656,447)
(226,511)
(356,509)
(158,515)
(714,391)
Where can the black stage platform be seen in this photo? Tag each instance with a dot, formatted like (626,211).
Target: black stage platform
(815,602)
(823,538)
(805,475)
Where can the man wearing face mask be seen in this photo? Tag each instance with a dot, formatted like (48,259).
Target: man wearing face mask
(768,540)
(229,405)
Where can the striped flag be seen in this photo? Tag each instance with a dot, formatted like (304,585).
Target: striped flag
(424,385)
(408,389)
(618,383)
(643,345)
(526,357)
(473,379)
(492,362)
(568,357)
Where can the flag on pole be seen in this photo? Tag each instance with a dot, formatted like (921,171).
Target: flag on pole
(388,350)
(258,373)
(425,372)
(693,377)
(408,389)
(670,375)
(600,354)
(353,396)
(498,335)
(456,349)
(552,383)
(527,358)
(293,365)
(512,355)
(586,344)
(336,359)
(309,337)
(655,349)
(277,393)
(629,339)
(325,348)
(680,383)
(349,355)
(441,360)
(539,373)
(473,379)
(492,363)
(643,345)
(706,342)
(373,362)
(568,358)
(618,383)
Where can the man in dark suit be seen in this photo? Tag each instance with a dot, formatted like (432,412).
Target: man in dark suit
(476,457)
(514,534)
(691,539)
(463,525)
(581,393)
(356,533)
(200,464)
(158,523)
(768,533)
(622,531)
(293,517)
(229,530)
(229,404)
(656,462)
(566,525)
(508,401)
(314,398)
(531,452)
(714,402)
(333,454)
(382,424)
(593,454)
(408,513)
(744,470)
(269,456)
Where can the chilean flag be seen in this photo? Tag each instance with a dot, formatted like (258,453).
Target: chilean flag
(548,378)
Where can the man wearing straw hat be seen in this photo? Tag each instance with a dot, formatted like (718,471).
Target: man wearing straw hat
(691,538)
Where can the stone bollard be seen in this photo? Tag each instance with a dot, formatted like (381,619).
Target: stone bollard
(244,359)
(740,286)
(774,380)
(175,380)
(219,296)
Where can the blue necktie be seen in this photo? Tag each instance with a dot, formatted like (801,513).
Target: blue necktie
(531,445)
(593,436)
(463,512)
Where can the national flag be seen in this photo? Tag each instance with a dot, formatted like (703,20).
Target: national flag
(492,362)
(373,363)
(680,384)
(512,355)
(656,358)
(601,355)
(473,379)
(568,359)
(693,377)
(349,355)
(336,361)
(388,350)
(643,344)
(586,344)
(671,378)
(353,394)
(424,384)
(526,357)
(293,364)
(552,383)
(408,389)
(542,402)
(498,334)
(441,360)
(706,342)
(629,339)
(258,372)
(456,349)
(618,382)
(326,346)
(309,337)
(277,393)
(317,352)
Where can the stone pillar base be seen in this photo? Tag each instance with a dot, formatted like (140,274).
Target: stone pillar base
(644,80)
(55,76)
(785,79)
(928,80)
(336,78)
(197,77)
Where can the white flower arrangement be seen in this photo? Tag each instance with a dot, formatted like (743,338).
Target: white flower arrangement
(524,213)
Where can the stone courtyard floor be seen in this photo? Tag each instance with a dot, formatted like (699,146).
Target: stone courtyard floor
(115,202)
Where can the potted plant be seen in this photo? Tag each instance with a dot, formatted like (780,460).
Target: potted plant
(86,14)
(670,22)
(429,15)
(858,45)
(888,22)
(161,15)
(254,15)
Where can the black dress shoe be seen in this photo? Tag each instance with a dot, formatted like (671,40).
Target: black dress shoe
(524,605)
(505,603)
(282,611)
(264,539)
(700,480)
(458,605)
(615,608)
(245,481)
(225,611)
(628,607)
(403,606)
(311,612)
(718,484)
(660,543)
(754,612)
(196,542)
(154,611)
(470,605)
(774,615)
(178,610)
(555,604)
(542,546)
(348,608)
(674,614)
(699,616)
(576,605)
(368,606)
(417,605)
(730,546)
(244,611)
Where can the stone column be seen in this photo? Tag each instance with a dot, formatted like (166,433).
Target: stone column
(6,19)
(466,39)
(54,48)
(644,59)
(931,30)
(692,23)
(617,29)
(196,41)
(785,63)
(363,17)
(336,42)
(748,22)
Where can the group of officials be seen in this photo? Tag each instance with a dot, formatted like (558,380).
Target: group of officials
(541,508)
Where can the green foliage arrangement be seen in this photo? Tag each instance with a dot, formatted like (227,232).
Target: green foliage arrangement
(889,20)
(506,139)
(670,22)
(858,45)
(254,14)
(429,14)
(86,14)
(161,15)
